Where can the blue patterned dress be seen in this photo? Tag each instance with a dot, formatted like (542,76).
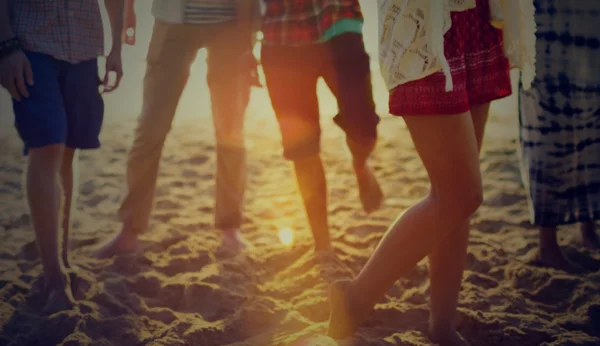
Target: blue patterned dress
(560,115)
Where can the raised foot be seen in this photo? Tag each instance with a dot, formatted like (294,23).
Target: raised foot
(369,190)
(123,243)
(343,317)
(233,240)
(447,337)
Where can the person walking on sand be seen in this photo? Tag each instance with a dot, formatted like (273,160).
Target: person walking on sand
(304,40)
(183,27)
(49,64)
(443,63)
(560,127)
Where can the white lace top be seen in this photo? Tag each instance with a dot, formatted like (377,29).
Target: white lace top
(411,32)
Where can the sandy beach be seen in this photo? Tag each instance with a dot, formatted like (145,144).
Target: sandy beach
(183,289)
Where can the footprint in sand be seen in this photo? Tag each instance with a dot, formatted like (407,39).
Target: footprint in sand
(165,204)
(505,199)
(195,160)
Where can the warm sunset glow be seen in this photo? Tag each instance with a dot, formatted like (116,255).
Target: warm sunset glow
(286,236)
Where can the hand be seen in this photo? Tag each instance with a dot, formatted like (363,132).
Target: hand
(129,24)
(249,67)
(16,74)
(114,64)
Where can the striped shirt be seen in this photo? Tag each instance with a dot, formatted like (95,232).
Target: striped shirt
(194,11)
(67,30)
(208,11)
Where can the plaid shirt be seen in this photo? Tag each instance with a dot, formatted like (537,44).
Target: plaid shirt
(300,22)
(67,30)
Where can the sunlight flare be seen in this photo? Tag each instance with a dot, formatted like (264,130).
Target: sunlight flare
(286,236)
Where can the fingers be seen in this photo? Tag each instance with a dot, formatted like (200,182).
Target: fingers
(24,79)
(12,89)
(16,79)
(118,71)
(19,82)
(28,73)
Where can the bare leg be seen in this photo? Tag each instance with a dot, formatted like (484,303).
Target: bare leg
(66,174)
(551,255)
(312,184)
(44,197)
(369,189)
(589,235)
(448,259)
(448,148)
(348,76)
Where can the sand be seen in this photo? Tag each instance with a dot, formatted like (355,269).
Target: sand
(182,289)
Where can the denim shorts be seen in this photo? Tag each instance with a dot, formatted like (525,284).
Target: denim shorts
(64,104)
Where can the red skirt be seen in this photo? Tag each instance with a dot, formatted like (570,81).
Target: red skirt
(480,71)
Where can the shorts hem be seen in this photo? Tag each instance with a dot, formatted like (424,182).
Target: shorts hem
(417,113)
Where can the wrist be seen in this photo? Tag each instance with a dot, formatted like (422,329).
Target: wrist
(117,47)
(9,46)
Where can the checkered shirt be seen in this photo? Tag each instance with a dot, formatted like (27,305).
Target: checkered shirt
(301,22)
(67,30)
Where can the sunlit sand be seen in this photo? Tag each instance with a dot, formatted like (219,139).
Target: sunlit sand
(181,289)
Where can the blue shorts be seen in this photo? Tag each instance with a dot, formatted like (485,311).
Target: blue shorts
(64,104)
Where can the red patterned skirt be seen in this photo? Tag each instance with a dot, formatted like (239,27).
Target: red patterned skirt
(480,71)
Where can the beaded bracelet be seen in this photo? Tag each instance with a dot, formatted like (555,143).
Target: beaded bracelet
(9,46)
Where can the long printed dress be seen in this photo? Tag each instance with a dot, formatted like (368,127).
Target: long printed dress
(560,115)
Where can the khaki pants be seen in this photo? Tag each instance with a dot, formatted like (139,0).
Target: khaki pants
(173,49)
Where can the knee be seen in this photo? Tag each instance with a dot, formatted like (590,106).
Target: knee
(150,136)
(230,135)
(460,203)
(472,200)
(48,158)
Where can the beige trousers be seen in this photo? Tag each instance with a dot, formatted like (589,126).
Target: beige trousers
(173,49)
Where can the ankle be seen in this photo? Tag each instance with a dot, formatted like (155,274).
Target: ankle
(128,234)
(359,165)
(56,281)
(440,328)
(323,248)
(588,229)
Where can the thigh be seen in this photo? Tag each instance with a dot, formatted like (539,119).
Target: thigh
(480,114)
(347,72)
(291,79)
(84,105)
(173,49)
(229,85)
(40,119)
(447,146)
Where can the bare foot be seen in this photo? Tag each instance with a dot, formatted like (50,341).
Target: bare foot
(345,317)
(66,258)
(447,337)
(325,255)
(233,240)
(589,236)
(369,190)
(125,242)
(556,258)
(59,297)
